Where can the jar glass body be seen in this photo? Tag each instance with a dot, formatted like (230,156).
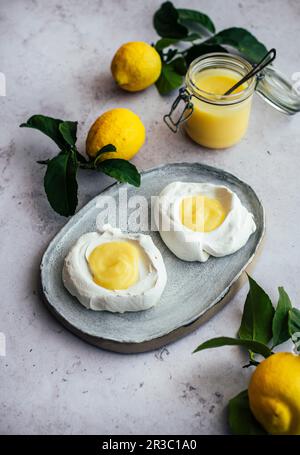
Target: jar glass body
(218,121)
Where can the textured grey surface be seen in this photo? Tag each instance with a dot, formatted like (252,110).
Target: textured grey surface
(192,287)
(56,58)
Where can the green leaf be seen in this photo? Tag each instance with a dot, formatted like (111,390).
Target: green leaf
(243,41)
(166,22)
(179,65)
(201,49)
(294,327)
(257,316)
(280,327)
(192,37)
(169,55)
(43,161)
(60,183)
(191,15)
(171,76)
(68,131)
(254,346)
(166,42)
(121,170)
(240,418)
(106,149)
(48,126)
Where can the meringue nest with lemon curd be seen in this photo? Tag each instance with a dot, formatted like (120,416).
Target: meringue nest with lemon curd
(115,271)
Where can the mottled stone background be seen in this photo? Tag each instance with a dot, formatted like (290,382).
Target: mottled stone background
(56,58)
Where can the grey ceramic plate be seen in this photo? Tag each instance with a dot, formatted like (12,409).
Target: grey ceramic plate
(193,293)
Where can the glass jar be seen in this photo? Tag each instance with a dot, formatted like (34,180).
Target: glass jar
(215,120)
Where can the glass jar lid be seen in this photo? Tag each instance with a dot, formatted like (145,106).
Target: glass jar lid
(278,91)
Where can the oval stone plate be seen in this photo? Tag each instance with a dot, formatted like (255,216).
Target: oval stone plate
(194,291)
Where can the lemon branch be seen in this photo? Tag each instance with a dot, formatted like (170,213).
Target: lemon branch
(261,326)
(60,181)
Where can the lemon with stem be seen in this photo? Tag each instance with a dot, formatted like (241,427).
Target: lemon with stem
(274,394)
(120,127)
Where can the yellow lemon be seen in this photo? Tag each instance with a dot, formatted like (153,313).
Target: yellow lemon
(274,393)
(136,66)
(119,127)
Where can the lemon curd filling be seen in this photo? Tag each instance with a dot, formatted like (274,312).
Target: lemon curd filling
(114,265)
(201,213)
(218,81)
(212,123)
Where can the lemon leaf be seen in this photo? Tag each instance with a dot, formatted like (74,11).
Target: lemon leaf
(171,22)
(121,170)
(171,76)
(49,126)
(255,346)
(201,49)
(240,418)
(280,327)
(193,16)
(167,57)
(60,183)
(166,42)
(106,149)
(294,327)
(43,161)
(68,131)
(166,22)
(257,316)
(242,40)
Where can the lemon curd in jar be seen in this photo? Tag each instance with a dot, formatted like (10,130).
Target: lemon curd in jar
(218,121)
